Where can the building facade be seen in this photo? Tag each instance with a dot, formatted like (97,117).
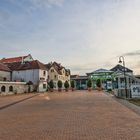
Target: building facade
(20,59)
(57,72)
(124,81)
(24,69)
(33,72)
(105,76)
(80,81)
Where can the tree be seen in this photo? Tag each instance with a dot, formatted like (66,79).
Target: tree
(89,84)
(29,83)
(66,85)
(51,85)
(98,83)
(72,85)
(59,84)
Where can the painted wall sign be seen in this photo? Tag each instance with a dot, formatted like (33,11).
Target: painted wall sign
(135,91)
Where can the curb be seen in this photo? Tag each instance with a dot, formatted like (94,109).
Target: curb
(16,102)
(126,103)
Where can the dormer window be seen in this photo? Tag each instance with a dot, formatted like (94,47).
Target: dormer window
(63,71)
(52,70)
(44,73)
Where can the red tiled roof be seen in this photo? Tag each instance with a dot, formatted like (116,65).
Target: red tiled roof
(4,68)
(13,60)
(35,64)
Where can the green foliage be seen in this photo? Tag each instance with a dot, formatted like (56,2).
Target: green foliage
(72,84)
(89,83)
(29,83)
(51,84)
(59,84)
(98,83)
(66,84)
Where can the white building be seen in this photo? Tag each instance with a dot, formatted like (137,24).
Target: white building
(24,69)
(20,59)
(33,72)
(124,81)
(57,72)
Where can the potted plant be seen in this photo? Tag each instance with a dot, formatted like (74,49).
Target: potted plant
(51,85)
(66,85)
(59,84)
(72,85)
(89,84)
(98,84)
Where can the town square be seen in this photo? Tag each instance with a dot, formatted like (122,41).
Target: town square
(69,70)
(78,115)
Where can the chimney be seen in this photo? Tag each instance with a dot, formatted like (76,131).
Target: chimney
(22,60)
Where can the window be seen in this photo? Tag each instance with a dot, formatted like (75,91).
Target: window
(55,76)
(42,79)
(52,70)
(44,73)
(3,89)
(44,86)
(11,89)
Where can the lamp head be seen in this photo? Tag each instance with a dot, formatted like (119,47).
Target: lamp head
(120,61)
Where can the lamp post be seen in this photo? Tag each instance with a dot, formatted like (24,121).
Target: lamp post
(121,60)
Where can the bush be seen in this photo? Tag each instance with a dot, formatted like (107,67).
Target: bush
(59,84)
(29,83)
(89,83)
(51,84)
(72,84)
(98,83)
(66,85)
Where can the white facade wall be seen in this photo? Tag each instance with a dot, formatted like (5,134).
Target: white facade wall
(29,58)
(26,75)
(5,74)
(43,75)
(56,77)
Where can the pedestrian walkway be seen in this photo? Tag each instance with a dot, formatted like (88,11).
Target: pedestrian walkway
(6,101)
(79,115)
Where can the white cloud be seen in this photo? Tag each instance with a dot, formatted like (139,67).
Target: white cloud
(83,34)
(46,3)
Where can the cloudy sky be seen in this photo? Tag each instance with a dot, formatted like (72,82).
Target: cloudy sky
(83,35)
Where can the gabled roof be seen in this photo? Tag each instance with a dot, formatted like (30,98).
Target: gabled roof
(4,68)
(120,68)
(14,59)
(100,71)
(74,76)
(77,77)
(35,64)
(58,67)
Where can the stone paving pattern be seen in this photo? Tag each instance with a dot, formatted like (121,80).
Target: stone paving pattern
(69,116)
(9,99)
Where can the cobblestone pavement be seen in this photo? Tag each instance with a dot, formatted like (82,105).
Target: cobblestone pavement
(69,116)
(11,99)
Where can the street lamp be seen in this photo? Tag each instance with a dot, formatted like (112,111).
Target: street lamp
(121,60)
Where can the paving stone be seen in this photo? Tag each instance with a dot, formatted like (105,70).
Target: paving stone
(78,115)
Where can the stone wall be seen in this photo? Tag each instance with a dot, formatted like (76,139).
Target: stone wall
(14,88)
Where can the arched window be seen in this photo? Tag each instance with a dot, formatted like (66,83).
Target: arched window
(11,89)
(3,88)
